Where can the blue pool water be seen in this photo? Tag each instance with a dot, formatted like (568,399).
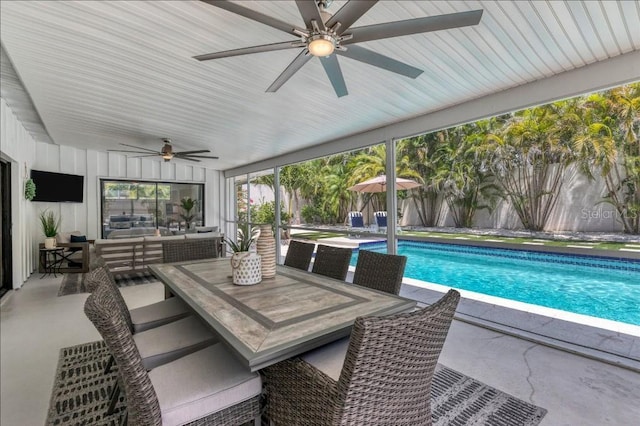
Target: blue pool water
(599,287)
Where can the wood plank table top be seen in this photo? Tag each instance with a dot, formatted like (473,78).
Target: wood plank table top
(278,318)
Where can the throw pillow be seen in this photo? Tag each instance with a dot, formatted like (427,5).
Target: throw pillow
(77,239)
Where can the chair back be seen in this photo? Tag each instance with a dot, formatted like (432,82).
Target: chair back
(100,277)
(189,249)
(142,402)
(299,255)
(332,262)
(389,366)
(380,271)
(99,262)
(381,219)
(356,220)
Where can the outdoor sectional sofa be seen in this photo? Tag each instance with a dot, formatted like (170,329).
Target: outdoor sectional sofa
(133,255)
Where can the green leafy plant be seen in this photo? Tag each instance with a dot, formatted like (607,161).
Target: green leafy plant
(188,204)
(246,236)
(50,223)
(29,189)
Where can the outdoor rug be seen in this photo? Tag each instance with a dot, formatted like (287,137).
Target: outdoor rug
(81,395)
(73,283)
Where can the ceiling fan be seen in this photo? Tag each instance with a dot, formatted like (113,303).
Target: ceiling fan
(166,152)
(326,34)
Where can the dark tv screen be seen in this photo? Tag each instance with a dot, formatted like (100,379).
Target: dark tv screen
(58,187)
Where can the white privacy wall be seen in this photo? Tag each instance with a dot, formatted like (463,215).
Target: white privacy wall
(20,148)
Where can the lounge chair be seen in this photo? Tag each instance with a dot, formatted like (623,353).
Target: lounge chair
(381,219)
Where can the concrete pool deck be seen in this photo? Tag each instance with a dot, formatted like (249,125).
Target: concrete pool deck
(608,341)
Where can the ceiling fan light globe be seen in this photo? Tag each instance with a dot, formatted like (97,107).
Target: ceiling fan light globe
(321,45)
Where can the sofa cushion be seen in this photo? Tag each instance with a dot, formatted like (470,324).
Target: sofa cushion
(120,241)
(161,239)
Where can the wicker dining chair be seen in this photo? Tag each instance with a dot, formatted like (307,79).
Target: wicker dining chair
(384,379)
(142,318)
(192,249)
(206,387)
(380,271)
(299,255)
(332,262)
(163,343)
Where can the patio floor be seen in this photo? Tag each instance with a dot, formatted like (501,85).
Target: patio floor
(35,324)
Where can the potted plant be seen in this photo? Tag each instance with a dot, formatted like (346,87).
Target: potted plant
(245,264)
(187,204)
(50,225)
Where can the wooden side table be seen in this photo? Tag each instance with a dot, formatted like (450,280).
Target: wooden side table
(50,259)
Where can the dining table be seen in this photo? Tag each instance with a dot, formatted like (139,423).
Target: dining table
(278,318)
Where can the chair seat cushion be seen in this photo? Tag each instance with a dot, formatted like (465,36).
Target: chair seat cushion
(157,314)
(201,384)
(171,341)
(328,358)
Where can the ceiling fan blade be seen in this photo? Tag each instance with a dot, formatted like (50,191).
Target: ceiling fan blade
(414,26)
(186,158)
(200,151)
(253,15)
(350,13)
(139,147)
(200,156)
(332,68)
(246,51)
(147,155)
(381,61)
(135,152)
(293,67)
(309,11)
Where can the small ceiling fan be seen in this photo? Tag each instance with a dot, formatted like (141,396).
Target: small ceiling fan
(326,34)
(166,152)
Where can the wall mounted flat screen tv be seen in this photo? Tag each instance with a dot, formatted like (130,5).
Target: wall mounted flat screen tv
(58,187)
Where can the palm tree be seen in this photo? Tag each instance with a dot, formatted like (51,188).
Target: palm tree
(529,157)
(421,152)
(462,176)
(608,144)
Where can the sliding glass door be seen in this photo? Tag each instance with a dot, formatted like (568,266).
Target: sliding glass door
(134,208)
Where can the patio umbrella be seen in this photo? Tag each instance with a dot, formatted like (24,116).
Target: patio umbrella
(379,184)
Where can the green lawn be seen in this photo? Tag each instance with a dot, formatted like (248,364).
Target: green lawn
(604,245)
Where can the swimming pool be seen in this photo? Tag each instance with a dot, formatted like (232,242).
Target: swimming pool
(587,285)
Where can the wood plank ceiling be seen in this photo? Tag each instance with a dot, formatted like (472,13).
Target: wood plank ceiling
(110,72)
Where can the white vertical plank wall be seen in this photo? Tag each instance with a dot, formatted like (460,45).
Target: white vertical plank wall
(18,147)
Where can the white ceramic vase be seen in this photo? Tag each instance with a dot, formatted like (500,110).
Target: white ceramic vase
(266,248)
(50,242)
(246,268)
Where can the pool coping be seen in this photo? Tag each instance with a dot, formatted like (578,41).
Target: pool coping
(593,252)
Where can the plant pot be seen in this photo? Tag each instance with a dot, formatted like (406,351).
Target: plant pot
(246,268)
(50,242)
